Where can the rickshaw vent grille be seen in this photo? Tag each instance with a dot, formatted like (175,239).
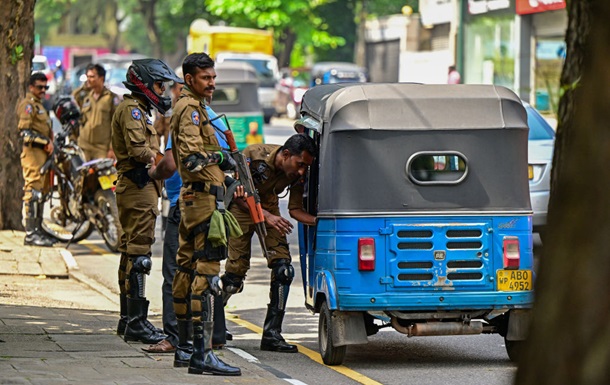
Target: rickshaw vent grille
(463,264)
(464,276)
(463,233)
(464,245)
(414,265)
(414,234)
(415,245)
(414,277)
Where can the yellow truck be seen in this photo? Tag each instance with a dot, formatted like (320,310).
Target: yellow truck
(249,45)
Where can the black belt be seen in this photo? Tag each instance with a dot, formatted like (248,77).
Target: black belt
(218,191)
(35,145)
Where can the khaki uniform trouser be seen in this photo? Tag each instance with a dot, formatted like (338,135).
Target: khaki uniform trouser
(32,159)
(240,249)
(190,279)
(138,211)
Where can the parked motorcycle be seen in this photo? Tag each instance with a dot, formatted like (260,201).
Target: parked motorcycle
(84,190)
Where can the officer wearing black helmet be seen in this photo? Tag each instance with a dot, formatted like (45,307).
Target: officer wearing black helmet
(136,146)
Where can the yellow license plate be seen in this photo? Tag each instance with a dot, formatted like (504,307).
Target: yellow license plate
(514,280)
(530,171)
(107,181)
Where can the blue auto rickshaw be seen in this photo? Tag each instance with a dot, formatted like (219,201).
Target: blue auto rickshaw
(423,213)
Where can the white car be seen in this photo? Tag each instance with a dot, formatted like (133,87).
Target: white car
(541,141)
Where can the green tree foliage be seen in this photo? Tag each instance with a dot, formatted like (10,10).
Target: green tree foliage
(305,30)
(296,23)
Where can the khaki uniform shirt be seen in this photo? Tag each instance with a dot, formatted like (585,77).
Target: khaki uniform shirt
(271,182)
(193,134)
(134,139)
(80,94)
(96,120)
(33,116)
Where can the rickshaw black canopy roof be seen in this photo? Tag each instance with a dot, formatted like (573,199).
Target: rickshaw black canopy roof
(370,131)
(241,77)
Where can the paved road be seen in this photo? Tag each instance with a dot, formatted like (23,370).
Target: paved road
(389,358)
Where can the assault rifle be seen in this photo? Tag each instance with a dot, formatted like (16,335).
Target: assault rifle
(253,200)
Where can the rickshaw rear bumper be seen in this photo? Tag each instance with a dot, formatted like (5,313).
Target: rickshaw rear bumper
(434,301)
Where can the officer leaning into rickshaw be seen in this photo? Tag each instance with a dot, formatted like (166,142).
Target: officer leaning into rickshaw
(136,147)
(274,168)
(201,165)
(35,130)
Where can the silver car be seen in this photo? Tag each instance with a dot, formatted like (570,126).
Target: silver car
(540,159)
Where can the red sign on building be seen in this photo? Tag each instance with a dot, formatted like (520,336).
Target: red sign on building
(525,7)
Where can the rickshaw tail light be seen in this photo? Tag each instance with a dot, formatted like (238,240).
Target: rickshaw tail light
(366,254)
(512,255)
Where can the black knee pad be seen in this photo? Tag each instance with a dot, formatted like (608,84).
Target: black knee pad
(232,283)
(213,285)
(141,264)
(282,271)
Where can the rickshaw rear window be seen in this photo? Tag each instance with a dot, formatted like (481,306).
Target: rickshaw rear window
(226,95)
(437,168)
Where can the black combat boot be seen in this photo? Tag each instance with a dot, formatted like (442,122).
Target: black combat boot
(203,359)
(219,337)
(281,278)
(34,235)
(137,328)
(184,349)
(272,329)
(120,329)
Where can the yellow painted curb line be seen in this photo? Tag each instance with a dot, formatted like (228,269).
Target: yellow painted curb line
(314,356)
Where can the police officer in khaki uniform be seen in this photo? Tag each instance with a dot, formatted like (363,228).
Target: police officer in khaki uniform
(97,110)
(35,129)
(201,163)
(274,168)
(136,147)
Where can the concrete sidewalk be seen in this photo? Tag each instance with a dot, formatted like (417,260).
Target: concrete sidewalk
(49,344)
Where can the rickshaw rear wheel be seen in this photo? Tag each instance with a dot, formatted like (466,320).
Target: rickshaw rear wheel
(514,349)
(331,354)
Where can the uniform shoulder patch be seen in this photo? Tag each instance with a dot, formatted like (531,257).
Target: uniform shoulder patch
(28,109)
(195,117)
(136,113)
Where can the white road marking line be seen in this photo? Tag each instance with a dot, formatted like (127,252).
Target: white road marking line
(293,381)
(245,355)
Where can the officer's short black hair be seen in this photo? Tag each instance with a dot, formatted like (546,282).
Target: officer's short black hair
(37,76)
(99,69)
(194,61)
(298,143)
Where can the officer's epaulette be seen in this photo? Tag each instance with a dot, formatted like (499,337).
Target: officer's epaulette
(192,102)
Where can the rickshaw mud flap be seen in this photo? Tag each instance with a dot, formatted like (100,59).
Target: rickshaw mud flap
(518,324)
(348,328)
(421,329)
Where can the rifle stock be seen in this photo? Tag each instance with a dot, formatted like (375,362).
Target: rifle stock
(253,200)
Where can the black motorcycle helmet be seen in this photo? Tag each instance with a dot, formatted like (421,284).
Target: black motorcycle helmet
(141,77)
(66,109)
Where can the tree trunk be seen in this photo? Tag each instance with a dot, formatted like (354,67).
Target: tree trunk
(111,25)
(287,43)
(148,10)
(569,340)
(16,52)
